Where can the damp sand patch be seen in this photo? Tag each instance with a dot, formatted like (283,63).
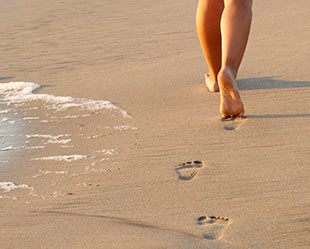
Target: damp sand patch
(53,129)
(11,138)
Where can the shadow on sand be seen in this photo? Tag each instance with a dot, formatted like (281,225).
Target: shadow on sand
(41,87)
(280,116)
(7,78)
(269,83)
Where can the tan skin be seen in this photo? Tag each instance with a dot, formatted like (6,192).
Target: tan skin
(223,28)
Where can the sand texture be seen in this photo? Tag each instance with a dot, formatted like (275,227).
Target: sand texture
(74,175)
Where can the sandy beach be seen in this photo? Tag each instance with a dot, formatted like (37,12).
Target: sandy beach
(103,112)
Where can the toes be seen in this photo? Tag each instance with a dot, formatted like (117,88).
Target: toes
(233,117)
(189,170)
(227,117)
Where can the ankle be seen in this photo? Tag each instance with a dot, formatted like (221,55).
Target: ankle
(226,74)
(212,77)
(229,70)
(227,81)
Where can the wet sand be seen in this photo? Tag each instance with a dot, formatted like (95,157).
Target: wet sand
(252,192)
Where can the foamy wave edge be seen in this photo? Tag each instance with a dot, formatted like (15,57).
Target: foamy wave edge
(9,186)
(17,92)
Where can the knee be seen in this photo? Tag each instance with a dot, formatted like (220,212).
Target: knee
(247,4)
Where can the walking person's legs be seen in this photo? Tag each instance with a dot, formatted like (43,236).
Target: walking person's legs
(208,19)
(223,28)
(235,28)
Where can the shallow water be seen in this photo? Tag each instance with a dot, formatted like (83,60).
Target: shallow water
(11,137)
(22,109)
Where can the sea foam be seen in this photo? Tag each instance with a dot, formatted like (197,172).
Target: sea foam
(66,158)
(11,147)
(47,136)
(107,152)
(20,92)
(9,186)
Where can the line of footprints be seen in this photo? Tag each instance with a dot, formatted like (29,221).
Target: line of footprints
(214,226)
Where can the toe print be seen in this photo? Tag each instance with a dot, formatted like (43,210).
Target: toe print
(213,226)
(189,170)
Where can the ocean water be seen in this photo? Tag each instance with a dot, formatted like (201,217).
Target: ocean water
(18,93)
(20,106)
(11,138)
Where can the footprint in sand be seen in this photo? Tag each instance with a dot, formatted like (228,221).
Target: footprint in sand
(188,171)
(214,226)
(233,124)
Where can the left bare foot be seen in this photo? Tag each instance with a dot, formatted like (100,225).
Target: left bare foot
(211,85)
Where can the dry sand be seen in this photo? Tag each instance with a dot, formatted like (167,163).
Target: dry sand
(145,57)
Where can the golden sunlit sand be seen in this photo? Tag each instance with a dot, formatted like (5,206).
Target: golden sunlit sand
(83,177)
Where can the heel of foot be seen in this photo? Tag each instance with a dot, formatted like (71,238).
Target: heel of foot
(214,226)
(211,86)
(231,103)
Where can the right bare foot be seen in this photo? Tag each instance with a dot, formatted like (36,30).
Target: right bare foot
(231,104)
(212,85)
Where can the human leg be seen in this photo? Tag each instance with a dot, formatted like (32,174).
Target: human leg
(235,28)
(208,18)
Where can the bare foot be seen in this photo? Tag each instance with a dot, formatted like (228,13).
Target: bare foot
(231,104)
(211,85)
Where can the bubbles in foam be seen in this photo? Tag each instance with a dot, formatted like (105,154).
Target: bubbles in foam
(107,152)
(35,147)
(9,186)
(11,147)
(47,136)
(124,127)
(66,158)
(62,141)
(23,102)
(31,118)
(19,92)
(5,111)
